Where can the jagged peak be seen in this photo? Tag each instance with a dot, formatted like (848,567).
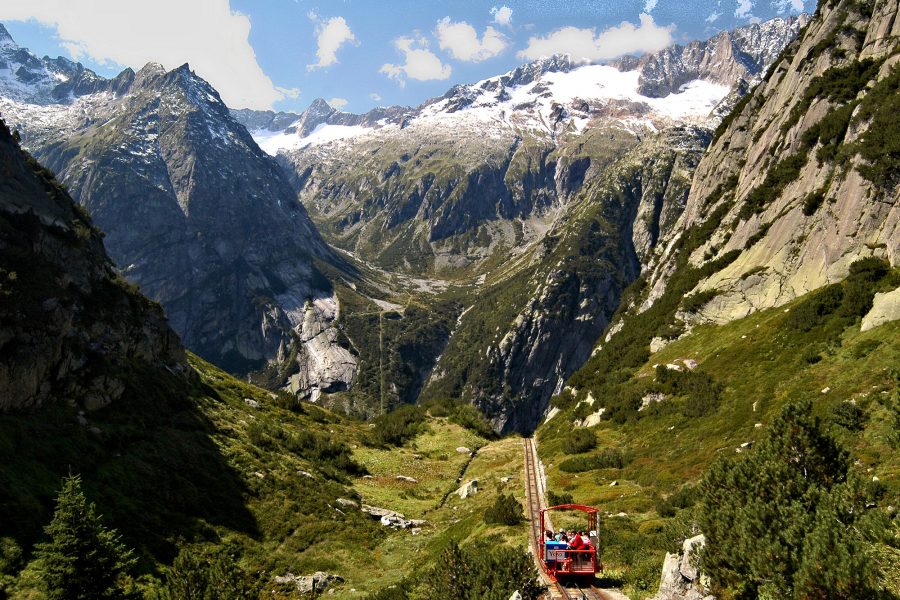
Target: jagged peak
(6,40)
(319,105)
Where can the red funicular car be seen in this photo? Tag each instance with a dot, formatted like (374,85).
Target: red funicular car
(563,562)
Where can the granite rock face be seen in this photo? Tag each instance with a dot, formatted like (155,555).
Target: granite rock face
(828,215)
(885,308)
(71,328)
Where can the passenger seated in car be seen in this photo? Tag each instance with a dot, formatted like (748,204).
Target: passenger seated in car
(576,543)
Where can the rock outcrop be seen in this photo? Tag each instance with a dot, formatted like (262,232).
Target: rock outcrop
(71,328)
(885,308)
(316,583)
(681,579)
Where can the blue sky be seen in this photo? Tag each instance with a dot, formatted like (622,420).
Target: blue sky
(360,53)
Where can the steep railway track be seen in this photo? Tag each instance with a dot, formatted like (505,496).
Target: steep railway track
(534,497)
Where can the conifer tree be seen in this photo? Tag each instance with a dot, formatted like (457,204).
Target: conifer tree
(82,559)
(781,523)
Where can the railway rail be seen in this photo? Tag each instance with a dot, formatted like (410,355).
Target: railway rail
(534,496)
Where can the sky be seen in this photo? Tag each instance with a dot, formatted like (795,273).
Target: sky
(358,54)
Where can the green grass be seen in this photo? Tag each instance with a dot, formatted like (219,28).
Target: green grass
(760,364)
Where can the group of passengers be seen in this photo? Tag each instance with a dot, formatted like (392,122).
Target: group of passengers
(574,540)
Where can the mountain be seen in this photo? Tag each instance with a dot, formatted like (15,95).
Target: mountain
(799,182)
(482,171)
(729,57)
(440,209)
(194,212)
(498,191)
(72,327)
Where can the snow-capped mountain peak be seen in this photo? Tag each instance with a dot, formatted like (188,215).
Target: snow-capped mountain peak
(556,95)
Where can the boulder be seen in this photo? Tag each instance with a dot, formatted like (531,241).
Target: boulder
(463,450)
(407,479)
(468,489)
(681,580)
(251,402)
(885,308)
(392,519)
(651,398)
(307,584)
(657,344)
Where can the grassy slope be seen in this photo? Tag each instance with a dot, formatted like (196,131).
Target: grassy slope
(758,364)
(449,517)
(180,463)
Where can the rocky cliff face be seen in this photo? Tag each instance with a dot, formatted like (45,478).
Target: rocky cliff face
(194,212)
(803,174)
(530,330)
(729,57)
(71,328)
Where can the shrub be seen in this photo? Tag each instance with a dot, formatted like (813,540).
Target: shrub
(468,416)
(398,426)
(849,416)
(610,458)
(812,202)
(777,178)
(695,302)
(579,441)
(505,511)
(207,574)
(814,309)
(555,499)
(482,571)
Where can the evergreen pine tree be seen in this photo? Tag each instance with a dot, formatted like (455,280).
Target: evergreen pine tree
(780,523)
(82,559)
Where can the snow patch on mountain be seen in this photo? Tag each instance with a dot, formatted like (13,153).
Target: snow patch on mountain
(273,141)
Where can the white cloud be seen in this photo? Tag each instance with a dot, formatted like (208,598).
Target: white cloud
(420,63)
(713,17)
(375,97)
(649,5)
(288,92)
(209,35)
(783,5)
(331,34)
(586,44)
(743,9)
(502,15)
(461,40)
(338,103)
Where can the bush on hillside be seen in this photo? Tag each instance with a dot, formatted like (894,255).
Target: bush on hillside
(815,309)
(505,511)
(482,571)
(701,392)
(849,416)
(785,520)
(579,441)
(554,499)
(207,574)
(468,416)
(610,458)
(398,426)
